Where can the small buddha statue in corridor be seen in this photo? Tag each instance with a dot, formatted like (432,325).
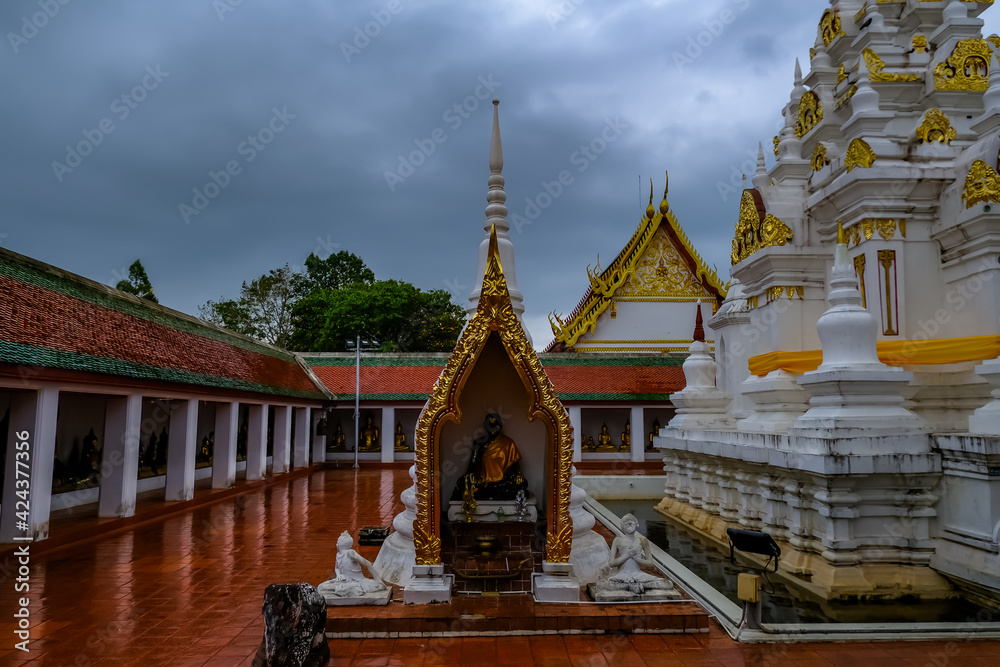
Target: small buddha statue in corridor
(626,439)
(369,437)
(604,443)
(652,434)
(400,439)
(338,441)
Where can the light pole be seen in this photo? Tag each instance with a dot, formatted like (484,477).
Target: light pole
(357,392)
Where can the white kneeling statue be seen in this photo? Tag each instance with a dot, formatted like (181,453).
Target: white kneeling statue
(349,585)
(624,579)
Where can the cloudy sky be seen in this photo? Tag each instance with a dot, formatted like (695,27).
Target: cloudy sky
(217,139)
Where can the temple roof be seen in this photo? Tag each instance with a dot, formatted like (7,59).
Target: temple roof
(53,319)
(411,377)
(696,279)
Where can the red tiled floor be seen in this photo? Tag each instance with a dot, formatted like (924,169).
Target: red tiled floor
(186,589)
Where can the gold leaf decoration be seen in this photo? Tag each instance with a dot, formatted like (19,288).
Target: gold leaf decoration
(841,74)
(846,97)
(494,316)
(810,114)
(819,156)
(968,67)
(868,228)
(830,26)
(982,185)
(886,228)
(875,66)
(752,233)
(936,127)
(777,141)
(919,43)
(859,154)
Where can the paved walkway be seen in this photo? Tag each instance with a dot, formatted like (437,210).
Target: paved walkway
(186,589)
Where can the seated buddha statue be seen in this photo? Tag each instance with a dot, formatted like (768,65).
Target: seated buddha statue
(494,471)
(400,439)
(338,441)
(652,434)
(369,437)
(604,443)
(626,439)
(588,444)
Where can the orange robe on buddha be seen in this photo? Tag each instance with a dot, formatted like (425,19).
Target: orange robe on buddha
(500,455)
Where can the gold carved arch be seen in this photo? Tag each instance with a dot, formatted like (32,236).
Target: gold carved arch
(495,314)
(754,233)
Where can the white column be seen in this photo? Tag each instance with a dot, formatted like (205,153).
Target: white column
(182,448)
(281,459)
(576,421)
(388,434)
(638,427)
(319,441)
(300,449)
(120,458)
(257,442)
(224,452)
(32,420)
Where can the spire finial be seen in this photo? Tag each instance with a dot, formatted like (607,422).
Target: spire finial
(664,206)
(650,211)
(699,327)
(841,234)
(761,162)
(798,73)
(496,150)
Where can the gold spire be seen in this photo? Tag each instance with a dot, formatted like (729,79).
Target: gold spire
(664,206)
(841,235)
(650,211)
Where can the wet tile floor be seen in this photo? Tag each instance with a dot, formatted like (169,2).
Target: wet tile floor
(186,588)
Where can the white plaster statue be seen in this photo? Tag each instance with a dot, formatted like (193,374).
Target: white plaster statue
(350,580)
(628,553)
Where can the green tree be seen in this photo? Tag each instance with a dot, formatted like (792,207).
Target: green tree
(396,314)
(138,283)
(263,310)
(340,269)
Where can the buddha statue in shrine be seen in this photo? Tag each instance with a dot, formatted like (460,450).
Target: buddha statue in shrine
(338,441)
(399,439)
(369,437)
(494,471)
(626,439)
(652,434)
(604,443)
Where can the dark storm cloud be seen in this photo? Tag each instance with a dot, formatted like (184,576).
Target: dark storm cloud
(351,104)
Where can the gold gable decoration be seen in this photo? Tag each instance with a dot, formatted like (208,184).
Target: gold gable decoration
(968,67)
(620,275)
(810,113)
(859,154)
(982,185)
(830,26)
(495,314)
(753,234)
(936,127)
(819,157)
(661,272)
